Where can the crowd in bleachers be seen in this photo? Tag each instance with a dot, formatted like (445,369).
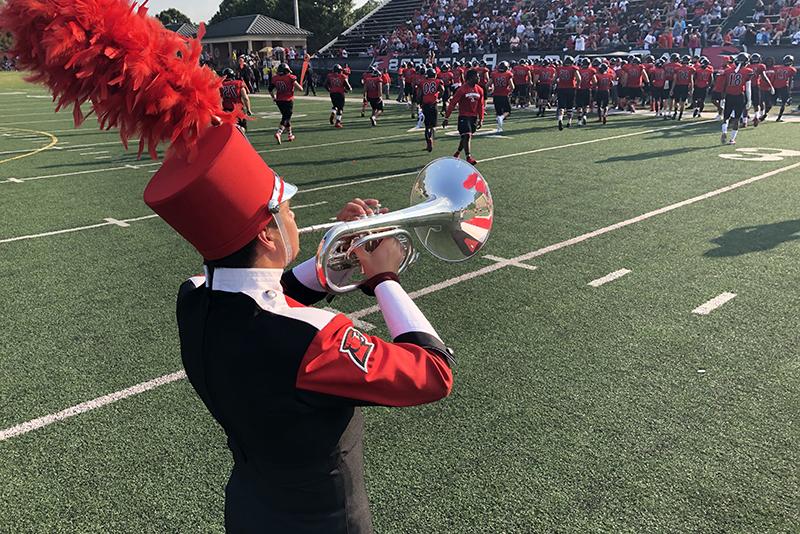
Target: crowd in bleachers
(458,27)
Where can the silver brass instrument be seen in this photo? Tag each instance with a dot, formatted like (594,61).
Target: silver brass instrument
(451,212)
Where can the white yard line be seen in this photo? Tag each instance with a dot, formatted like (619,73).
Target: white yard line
(713,304)
(609,278)
(151,384)
(515,264)
(94,153)
(76,173)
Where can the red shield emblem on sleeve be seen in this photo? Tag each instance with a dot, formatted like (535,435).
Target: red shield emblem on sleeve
(358,347)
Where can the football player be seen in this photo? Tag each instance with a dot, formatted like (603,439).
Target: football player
(522,81)
(569,77)
(669,70)
(717,90)
(605,80)
(337,85)
(502,83)
(784,78)
(737,87)
(682,86)
(234,96)
(658,81)
(284,84)
(584,95)
(447,77)
(758,68)
(635,76)
(470,101)
(373,93)
(544,85)
(703,78)
(428,95)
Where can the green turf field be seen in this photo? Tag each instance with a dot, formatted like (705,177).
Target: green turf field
(576,408)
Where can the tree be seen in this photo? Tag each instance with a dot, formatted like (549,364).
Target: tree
(362,11)
(172,16)
(236,8)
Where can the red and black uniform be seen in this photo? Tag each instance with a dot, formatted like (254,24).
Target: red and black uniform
(658,80)
(683,78)
(285,382)
(470,102)
(703,76)
(428,93)
(501,90)
(522,81)
(784,74)
(231,93)
(373,86)
(447,78)
(603,89)
(584,95)
(483,78)
(634,80)
(755,89)
(735,88)
(408,79)
(544,82)
(719,86)
(336,84)
(284,95)
(567,83)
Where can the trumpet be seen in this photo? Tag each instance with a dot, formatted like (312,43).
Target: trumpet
(451,213)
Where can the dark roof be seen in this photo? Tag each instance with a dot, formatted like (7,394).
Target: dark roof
(252,25)
(187,30)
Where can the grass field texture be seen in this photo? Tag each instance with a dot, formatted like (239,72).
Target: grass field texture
(610,407)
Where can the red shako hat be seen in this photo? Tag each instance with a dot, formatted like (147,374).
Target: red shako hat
(213,189)
(220,199)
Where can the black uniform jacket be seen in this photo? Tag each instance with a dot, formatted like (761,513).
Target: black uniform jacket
(285,381)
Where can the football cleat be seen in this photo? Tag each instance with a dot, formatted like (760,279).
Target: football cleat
(457,155)
(724,138)
(373,120)
(338,125)
(732,142)
(290,138)
(332,117)
(471,160)
(560,125)
(278,137)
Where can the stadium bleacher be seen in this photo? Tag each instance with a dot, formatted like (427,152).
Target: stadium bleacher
(486,26)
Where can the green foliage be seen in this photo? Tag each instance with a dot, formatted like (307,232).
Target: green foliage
(173,16)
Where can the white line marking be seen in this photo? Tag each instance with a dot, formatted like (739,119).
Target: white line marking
(134,167)
(116,222)
(349,142)
(103,157)
(515,264)
(40,422)
(15,180)
(609,277)
(76,173)
(94,153)
(363,325)
(301,206)
(713,304)
(55,232)
(144,386)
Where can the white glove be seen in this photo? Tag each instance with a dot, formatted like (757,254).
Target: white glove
(772,90)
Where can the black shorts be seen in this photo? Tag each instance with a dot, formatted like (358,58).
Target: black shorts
(602,98)
(337,99)
(408,89)
(566,98)
(633,92)
(430,113)
(734,106)
(286,108)
(376,103)
(467,125)
(716,96)
(700,94)
(242,124)
(622,92)
(782,94)
(755,95)
(446,94)
(543,91)
(582,98)
(680,93)
(501,104)
(657,93)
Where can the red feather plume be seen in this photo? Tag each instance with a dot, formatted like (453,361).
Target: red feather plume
(137,75)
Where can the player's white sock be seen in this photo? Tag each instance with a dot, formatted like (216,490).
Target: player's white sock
(338,117)
(725,127)
(733,134)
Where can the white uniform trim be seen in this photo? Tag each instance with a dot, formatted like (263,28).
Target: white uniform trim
(400,312)
(264,287)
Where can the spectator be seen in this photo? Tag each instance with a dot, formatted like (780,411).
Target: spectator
(716,38)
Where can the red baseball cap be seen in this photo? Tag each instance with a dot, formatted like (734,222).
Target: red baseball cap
(221,197)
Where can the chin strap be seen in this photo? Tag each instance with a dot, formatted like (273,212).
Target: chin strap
(287,245)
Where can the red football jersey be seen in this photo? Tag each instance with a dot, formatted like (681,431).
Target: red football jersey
(783,75)
(702,76)
(446,77)
(483,75)
(736,79)
(635,74)
(658,77)
(719,82)
(469,99)
(284,87)
(231,92)
(374,86)
(501,82)
(336,83)
(566,76)
(408,76)
(605,80)
(684,74)
(587,77)
(521,74)
(429,90)
(669,69)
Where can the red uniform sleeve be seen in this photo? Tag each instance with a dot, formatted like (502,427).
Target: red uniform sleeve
(345,363)
(482,104)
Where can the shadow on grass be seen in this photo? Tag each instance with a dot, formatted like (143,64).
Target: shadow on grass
(757,238)
(654,154)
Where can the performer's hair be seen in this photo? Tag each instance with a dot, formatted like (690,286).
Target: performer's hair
(242,258)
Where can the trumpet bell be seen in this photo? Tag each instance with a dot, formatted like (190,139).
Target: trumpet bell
(460,190)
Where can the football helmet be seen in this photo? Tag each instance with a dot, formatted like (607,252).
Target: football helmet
(788,60)
(503,66)
(337,68)
(229,74)
(742,59)
(569,60)
(755,58)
